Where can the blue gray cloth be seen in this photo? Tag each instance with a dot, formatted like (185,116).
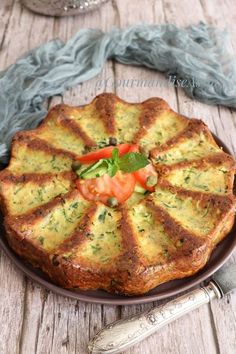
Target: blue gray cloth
(196,52)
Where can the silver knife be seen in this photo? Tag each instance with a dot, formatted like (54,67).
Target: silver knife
(121,335)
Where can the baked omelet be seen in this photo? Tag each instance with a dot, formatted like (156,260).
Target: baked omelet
(149,239)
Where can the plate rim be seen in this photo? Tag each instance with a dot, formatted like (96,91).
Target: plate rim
(192,281)
(132,300)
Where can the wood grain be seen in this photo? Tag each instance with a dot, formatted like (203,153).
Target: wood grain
(34,320)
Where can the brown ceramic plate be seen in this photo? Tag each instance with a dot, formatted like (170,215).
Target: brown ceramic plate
(219,256)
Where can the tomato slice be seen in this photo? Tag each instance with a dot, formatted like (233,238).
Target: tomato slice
(142,175)
(121,186)
(134,148)
(104,153)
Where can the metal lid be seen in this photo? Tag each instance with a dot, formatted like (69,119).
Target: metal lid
(62,7)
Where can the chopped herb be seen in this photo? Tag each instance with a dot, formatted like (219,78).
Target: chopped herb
(53,159)
(102,216)
(187,179)
(104,259)
(192,171)
(140,229)
(201,186)
(96,248)
(40,194)
(18,189)
(75,205)
(110,233)
(206,212)
(132,161)
(160,134)
(147,216)
(89,234)
(223,170)
(66,216)
(169,206)
(41,240)
(160,159)
(102,143)
(53,227)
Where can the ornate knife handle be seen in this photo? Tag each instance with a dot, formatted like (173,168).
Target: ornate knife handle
(122,334)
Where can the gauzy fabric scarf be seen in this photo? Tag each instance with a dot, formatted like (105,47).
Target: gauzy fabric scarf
(195,53)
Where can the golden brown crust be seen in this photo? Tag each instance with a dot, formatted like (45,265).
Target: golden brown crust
(150,110)
(129,272)
(33,216)
(37,144)
(224,202)
(8,176)
(105,105)
(60,113)
(219,158)
(193,128)
(129,260)
(81,233)
(75,127)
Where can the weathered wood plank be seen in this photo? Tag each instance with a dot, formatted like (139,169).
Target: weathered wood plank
(171,336)
(61,325)
(37,321)
(13,283)
(5,15)
(222,122)
(12,306)
(224,311)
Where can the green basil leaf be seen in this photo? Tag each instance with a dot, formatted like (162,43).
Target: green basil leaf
(113,163)
(115,155)
(132,161)
(112,169)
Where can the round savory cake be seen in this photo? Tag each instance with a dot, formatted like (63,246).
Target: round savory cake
(124,239)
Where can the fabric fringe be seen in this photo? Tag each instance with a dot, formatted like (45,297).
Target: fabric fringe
(196,53)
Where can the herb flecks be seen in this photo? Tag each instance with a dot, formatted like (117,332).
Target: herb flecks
(102,216)
(41,240)
(96,249)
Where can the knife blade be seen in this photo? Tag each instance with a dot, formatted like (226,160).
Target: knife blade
(122,334)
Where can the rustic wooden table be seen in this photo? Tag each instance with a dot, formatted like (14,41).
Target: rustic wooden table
(33,320)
